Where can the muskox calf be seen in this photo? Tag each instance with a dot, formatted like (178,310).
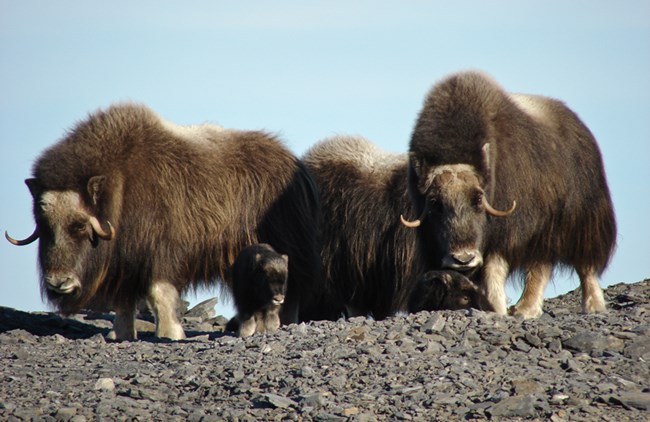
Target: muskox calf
(506,183)
(129,207)
(260,277)
(438,290)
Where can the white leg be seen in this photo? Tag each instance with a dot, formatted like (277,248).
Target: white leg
(272,319)
(592,295)
(124,325)
(164,299)
(247,326)
(531,302)
(495,273)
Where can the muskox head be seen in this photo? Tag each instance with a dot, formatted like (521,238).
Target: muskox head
(438,290)
(454,211)
(68,232)
(271,280)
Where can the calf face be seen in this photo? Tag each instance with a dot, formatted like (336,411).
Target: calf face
(438,290)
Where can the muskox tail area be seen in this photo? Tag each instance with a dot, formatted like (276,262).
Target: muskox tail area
(595,242)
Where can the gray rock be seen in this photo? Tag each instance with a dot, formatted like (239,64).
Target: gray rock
(633,399)
(593,343)
(515,406)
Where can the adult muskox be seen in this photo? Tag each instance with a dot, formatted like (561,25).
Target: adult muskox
(128,206)
(475,149)
(370,260)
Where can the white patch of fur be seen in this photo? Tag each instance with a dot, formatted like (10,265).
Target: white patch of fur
(592,295)
(55,204)
(163,299)
(531,302)
(534,106)
(357,150)
(194,133)
(494,282)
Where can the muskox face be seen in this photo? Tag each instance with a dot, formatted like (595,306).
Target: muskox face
(438,290)
(455,211)
(271,283)
(67,233)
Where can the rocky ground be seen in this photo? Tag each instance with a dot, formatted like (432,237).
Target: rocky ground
(451,365)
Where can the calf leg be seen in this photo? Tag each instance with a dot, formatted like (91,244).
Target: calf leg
(124,324)
(164,299)
(530,304)
(493,286)
(592,295)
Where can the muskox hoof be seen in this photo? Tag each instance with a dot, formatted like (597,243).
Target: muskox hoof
(527,312)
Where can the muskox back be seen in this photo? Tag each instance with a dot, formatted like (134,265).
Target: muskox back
(368,257)
(498,148)
(182,201)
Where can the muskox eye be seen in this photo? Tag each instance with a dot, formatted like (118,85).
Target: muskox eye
(77,228)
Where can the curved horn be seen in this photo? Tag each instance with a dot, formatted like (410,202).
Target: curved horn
(498,213)
(416,223)
(32,237)
(100,232)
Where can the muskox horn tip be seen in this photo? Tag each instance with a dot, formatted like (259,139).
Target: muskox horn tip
(409,224)
(23,242)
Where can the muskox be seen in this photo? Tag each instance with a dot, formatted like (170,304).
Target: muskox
(509,183)
(128,207)
(438,290)
(370,260)
(259,285)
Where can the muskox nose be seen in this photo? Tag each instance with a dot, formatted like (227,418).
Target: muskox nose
(62,284)
(464,258)
(278,299)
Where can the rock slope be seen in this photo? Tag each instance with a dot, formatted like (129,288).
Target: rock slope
(451,365)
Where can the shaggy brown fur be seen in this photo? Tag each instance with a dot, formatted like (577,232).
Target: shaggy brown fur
(183,202)
(369,258)
(540,154)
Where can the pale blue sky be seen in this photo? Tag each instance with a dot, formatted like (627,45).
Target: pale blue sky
(311,69)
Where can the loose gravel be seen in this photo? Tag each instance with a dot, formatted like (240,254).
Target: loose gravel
(449,365)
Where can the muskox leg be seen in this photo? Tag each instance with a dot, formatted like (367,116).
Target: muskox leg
(493,286)
(592,295)
(164,299)
(124,325)
(530,304)
(272,319)
(247,326)
(289,312)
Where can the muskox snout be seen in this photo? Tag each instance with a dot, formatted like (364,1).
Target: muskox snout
(62,283)
(463,260)
(278,299)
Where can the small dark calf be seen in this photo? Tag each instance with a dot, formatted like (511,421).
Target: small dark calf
(260,277)
(438,290)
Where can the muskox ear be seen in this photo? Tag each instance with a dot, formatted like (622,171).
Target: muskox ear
(34,187)
(95,187)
